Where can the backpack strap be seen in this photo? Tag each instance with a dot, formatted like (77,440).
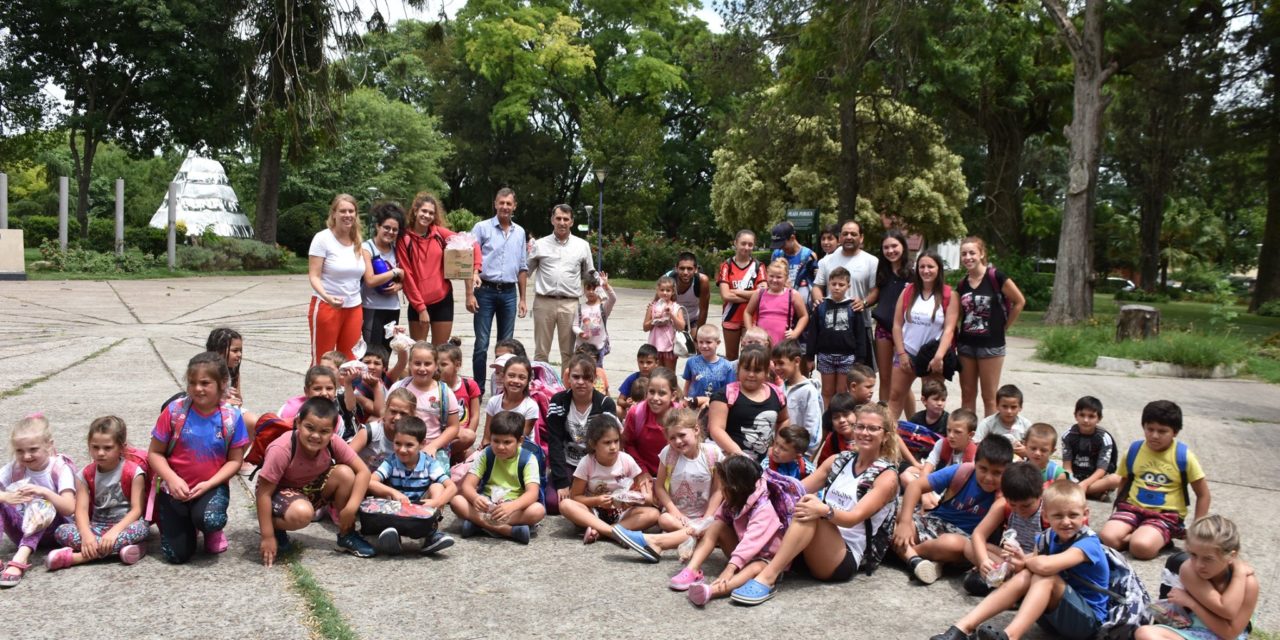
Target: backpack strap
(489,460)
(524,458)
(1180,457)
(731,392)
(908,292)
(178,410)
(963,472)
(88,474)
(995,287)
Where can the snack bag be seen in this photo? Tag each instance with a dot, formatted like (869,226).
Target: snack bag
(699,526)
(37,515)
(459,256)
(623,495)
(497,495)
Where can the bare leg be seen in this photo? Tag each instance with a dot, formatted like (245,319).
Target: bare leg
(997,602)
(989,375)
(732,338)
(338,487)
(1146,542)
(585,517)
(947,548)
(901,384)
(718,534)
(1044,594)
(441,331)
(884,357)
(828,388)
(1116,534)
(969,383)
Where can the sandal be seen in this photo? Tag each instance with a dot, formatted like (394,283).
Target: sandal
(590,536)
(8,579)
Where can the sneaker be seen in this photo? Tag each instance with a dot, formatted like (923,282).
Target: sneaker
(283,544)
(520,533)
(436,543)
(388,542)
(469,529)
(926,571)
(131,553)
(59,558)
(975,585)
(215,541)
(700,593)
(685,579)
(357,545)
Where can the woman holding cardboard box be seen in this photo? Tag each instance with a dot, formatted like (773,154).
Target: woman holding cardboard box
(421,254)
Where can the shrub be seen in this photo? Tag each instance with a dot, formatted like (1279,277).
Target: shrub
(1270,309)
(1081,347)
(297,225)
(102,235)
(461,219)
(232,254)
(1199,279)
(77,260)
(36,229)
(1036,287)
(147,240)
(1138,295)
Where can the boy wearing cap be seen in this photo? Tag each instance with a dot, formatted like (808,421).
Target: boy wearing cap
(802,262)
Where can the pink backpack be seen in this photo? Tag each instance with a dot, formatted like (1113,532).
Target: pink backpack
(734,389)
(784,492)
(134,462)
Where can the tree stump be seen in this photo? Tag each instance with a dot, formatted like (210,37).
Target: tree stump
(1137,321)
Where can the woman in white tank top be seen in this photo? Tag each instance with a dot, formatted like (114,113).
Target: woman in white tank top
(926,311)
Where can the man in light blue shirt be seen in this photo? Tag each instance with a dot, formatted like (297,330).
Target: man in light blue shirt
(501,282)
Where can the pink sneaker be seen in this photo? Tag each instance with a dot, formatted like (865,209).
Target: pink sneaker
(699,593)
(131,553)
(214,542)
(685,579)
(59,558)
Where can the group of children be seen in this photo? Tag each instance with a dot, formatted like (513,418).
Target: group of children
(723,461)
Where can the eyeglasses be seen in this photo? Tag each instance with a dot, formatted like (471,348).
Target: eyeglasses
(867,428)
(390,229)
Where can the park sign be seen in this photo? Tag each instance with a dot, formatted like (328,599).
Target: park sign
(803,219)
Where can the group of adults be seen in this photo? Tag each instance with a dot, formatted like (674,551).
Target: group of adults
(357,284)
(918,325)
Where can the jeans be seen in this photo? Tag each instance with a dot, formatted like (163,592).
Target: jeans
(490,302)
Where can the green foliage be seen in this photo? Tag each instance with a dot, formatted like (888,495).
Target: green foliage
(1080,347)
(76,260)
(648,255)
(37,229)
(1270,309)
(1036,287)
(147,239)
(462,219)
(232,254)
(1138,295)
(299,224)
(1199,278)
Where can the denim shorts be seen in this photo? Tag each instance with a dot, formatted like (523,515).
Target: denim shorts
(1072,619)
(981,353)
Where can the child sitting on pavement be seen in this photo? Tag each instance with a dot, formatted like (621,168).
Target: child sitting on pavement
(1089,452)
(500,493)
(1006,421)
(412,477)
(1016,515)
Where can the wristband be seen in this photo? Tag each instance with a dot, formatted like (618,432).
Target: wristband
(831,513)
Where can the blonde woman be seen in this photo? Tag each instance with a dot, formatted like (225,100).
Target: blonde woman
(335,268)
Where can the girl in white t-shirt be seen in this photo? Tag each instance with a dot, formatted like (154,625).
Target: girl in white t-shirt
(376,442)
(516,371)
(335,269)
(436,405)
(595,498)
(686,489)
(37,472)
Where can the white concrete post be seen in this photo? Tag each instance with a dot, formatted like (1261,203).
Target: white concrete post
(64,188)
(119,216)
(173,225)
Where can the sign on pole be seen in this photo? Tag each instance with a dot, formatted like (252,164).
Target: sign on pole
(805,220)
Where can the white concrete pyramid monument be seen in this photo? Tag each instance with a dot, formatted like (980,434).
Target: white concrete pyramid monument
(205,199)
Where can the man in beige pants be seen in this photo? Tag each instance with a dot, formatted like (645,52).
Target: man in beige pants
(558,262)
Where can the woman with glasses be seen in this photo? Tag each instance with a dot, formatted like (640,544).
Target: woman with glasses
(850,527)
(421,254)
(383,276)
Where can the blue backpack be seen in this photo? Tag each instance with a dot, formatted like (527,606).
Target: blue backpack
(529,450)
(1180,458)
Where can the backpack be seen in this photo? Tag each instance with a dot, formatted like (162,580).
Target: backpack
(806,466)
(697,281)
(529,450)
(180,407)
(135,462)
(970,452)
(1180,458)
(708,453)
(544,382)
(270,426)
(909,292)
(734,389)
(1127,597)
(784,492)
(878,541)
(918,438)
(964,471)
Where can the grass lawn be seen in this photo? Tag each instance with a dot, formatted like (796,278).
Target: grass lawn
(297,266)
(1173,315)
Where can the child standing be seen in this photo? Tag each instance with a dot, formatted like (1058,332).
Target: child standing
(437,406)
(1089,452)
(110,498)
(646,361)
(835,334)
(601,473)
(1154,498)
(303,471)
(467,393)
(786,455)
(804,399)
(1218,589)
(504,467)
(642,433)
(1039,443)
(662,319)
(591,324)
(1063,587)
(706,373)
(1006,421)
(777,308)
(412,477)
(196,446)
(377,442)
(37,472)
(941,536)
(514,396)
(747,423)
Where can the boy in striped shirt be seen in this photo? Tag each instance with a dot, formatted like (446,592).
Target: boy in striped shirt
(411,476)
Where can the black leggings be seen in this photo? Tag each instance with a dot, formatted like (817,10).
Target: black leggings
(180,521)
(373,333)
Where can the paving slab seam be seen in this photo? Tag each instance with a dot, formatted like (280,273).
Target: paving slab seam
(165,363)
(15,391)
(246,359)
(195,311)
(127,306)
(74,318)
(233,317)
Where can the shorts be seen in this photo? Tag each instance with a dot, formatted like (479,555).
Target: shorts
(931,527)
(883,334)
(729,325)
(610,516)
(1072,619)
(981,353)
(313,493)
(1168,523)
(843,572)
(441,311)
(837,363)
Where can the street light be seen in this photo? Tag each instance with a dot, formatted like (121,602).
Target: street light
(601,174)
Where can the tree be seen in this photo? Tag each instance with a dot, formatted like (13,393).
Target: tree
(145,75)
(1265,43)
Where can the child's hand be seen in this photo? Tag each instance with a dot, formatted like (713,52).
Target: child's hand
(563,494)
(370,380)
(89,547)
(605,502)
(345,376)
(987,567)
(929,501)
(268,549)
(501,512)
(1013,550)
(481,504)
(1181,598)
(179,489)
(400,497)
(791,334)
(1020,449)
(904,535)
(810,508)
(198,490)
(106,544)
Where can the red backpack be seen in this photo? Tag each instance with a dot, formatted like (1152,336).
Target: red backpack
(944,456)
(270,426)
(134,462)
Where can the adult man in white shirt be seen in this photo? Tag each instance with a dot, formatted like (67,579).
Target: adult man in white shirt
(558,263)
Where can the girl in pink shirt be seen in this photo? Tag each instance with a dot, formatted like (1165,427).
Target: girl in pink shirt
(775,307)
(642,435)
(662,319)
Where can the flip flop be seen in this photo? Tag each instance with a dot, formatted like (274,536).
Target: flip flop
(753,593)
(8,580)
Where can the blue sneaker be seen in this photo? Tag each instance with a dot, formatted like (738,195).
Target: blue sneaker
(356,544)
(469,529)
(520,533)
(753,593)
(436,543)
(636,541)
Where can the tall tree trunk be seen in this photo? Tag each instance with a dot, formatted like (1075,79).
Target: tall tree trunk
(82,165)
(1000,185)
(1151,208)
(1268,287)
(268,213)
(1072,300)
(847,179)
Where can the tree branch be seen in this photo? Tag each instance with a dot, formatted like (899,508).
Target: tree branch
(1058,13)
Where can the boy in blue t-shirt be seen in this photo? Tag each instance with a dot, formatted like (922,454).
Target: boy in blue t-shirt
(706,372)
(1061,587)
(412,476)
(942,535)
(646,362)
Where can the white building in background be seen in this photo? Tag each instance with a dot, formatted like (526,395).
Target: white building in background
(205,199)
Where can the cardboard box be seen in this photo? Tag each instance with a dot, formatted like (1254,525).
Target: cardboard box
(459,264)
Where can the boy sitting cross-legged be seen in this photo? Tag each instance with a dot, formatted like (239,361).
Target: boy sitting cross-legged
(1062,587)
(411,476)
(307,469)
(507,504)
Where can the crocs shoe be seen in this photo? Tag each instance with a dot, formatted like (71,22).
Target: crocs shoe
(989,632)
(215,541)
(700,594)
(926,571)
(685,579)
(976,585)
(636,541)
(753,593)
(436,543)
(520,533)
(59,558)
(357,545)
(388,542)
(283,544)
(953,633)
(469,529)
(132,553)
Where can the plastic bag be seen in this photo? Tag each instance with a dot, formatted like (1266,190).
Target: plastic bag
(497,495)
(389,330)
(356,368)
(1000,573)
(623,495)
(699,526)
(462,240)
(401,341)
(357,351)
(1170,614)
(37,514)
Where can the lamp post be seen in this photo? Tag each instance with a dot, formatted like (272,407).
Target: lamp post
(601,174)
